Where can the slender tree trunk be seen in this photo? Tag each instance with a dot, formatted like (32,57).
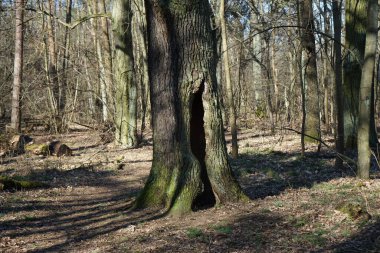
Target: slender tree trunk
(106,55)
(65,63)
(274,70)
(301,78)
(140,37)
(53,69)
(189,148)
(338,81)
(232,109)
(92,8)
(126,100)
(18,67)
(312,124)
(364,151)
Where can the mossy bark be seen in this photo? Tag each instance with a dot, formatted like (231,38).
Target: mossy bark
(190,166)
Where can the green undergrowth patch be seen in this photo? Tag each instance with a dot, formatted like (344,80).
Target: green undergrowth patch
(315,238)
(194,232)
(223,229)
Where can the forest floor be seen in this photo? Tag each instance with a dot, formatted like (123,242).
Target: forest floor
(298,203)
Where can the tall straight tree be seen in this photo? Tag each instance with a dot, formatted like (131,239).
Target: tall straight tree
(364,151)
(336,8)
(18,66)
(226,65)
(356,20)
(126,97)
(190,163)
(312,121)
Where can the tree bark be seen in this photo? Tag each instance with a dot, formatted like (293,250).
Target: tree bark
(65,63)
(105,45)
(190,166)
(338,82)
(364,151)
(18,67)
(312,123)
(356,19)
(126,97)
(230,96)
(141,58)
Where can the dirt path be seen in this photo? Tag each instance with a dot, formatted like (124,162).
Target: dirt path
(294,205)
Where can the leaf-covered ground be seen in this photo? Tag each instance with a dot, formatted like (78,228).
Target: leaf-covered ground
(299,203)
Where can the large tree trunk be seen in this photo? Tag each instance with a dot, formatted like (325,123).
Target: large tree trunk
(312,123)
(190,165)
(126,100)
(18,67)
(364,151)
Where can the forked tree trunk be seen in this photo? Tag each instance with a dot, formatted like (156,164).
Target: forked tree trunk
(18,67)
(190,166)
(126,100)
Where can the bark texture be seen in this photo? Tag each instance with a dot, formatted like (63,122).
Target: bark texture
(365,104)
(126,97)
(356,18)
(338,81)
(190,166)
(18,67)
(312,121)
(230,96)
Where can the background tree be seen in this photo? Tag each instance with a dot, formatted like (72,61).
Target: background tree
(126,97)
(355,19)
(312,122)
(18,66)
(364,151)
(336,8)
(226,65)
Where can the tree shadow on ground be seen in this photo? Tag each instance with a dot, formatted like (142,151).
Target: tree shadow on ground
(80,176)
(72,223)
(251,232)
(272,172)
(63,217)
(366,240)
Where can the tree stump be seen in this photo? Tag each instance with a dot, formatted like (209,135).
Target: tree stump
(17,143)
